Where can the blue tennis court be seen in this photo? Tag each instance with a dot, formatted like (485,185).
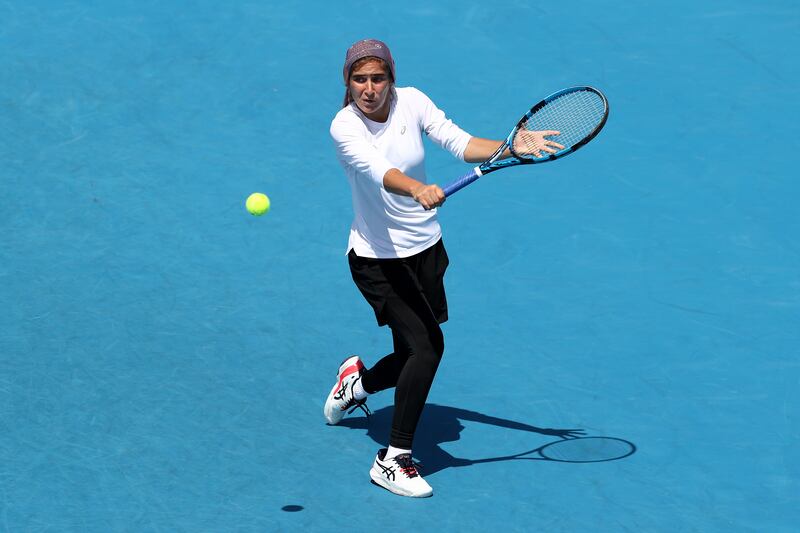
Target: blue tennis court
(165,356)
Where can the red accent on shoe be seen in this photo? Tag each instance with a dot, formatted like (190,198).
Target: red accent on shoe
(350,370)
(409,471)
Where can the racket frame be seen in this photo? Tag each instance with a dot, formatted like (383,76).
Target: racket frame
(495,163)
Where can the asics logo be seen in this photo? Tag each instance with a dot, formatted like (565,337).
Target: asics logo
(341,392)
(388,471)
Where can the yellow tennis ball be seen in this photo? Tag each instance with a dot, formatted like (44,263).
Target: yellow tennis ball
(257,203)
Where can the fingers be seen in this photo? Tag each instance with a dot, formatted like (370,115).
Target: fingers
(548,144)
(541,138)
(537,143)
(429,196)
(434,197)
(551,147)
(554,144)
(440,197)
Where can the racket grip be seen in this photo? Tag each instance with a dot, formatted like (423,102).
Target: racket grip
(458,184)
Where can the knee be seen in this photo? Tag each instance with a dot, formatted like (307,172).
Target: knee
(433,350)
(439,347)
(427,344)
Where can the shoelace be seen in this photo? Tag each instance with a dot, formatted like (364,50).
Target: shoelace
(358,404)
(407,465)
(352,402)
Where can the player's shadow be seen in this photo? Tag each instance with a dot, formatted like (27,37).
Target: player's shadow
(441,424)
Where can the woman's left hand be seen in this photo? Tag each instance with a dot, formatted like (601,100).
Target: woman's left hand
(535,142)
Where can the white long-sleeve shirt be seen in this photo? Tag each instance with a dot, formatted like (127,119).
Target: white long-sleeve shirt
(387,225)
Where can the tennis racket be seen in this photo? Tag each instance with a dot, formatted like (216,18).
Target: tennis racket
(577,113)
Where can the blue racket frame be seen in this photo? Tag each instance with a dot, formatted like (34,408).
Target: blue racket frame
(494,163)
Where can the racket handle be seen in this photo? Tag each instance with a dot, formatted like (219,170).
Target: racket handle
(456,185)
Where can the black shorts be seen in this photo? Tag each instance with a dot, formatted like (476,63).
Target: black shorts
(384,281)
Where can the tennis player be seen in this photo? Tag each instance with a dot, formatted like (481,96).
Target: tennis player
(395,250)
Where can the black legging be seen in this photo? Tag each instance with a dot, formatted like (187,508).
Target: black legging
(418,344)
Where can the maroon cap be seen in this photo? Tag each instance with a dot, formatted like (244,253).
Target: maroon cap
(367,48)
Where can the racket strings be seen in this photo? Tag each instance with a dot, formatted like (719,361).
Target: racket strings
(576,115)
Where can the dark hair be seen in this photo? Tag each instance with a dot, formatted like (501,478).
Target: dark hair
(367,59)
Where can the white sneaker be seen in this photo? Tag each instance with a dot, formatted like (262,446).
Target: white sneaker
(341,397)
(399,475)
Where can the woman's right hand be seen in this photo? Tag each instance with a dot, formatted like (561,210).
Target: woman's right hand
(428,196)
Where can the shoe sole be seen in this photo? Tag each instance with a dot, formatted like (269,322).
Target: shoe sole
(383,482)
(358,366)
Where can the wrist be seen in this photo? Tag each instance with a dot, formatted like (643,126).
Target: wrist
(415,188)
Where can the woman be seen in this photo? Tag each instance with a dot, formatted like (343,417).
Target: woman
(396,255)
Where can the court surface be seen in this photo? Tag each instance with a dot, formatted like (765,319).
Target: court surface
(164,356)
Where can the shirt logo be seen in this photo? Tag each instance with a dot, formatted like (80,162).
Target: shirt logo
(402,130)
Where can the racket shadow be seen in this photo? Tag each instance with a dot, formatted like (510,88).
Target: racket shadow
(440,424)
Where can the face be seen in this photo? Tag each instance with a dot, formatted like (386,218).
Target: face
(370,87)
